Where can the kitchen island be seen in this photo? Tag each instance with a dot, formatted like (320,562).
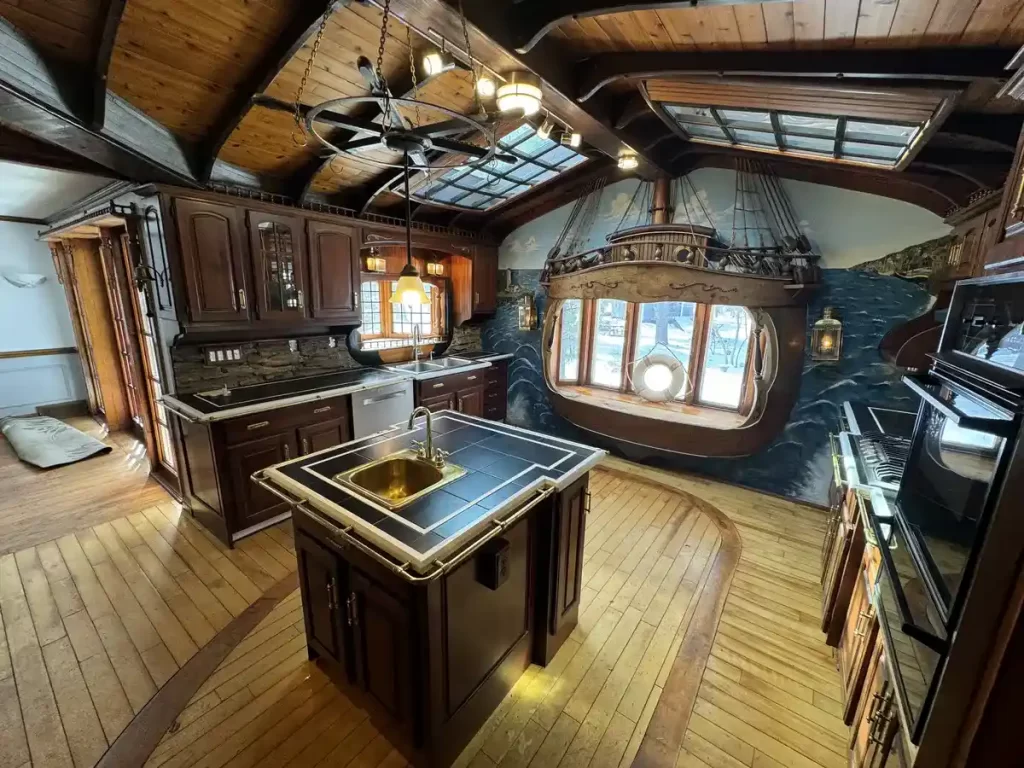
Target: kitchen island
(428,609)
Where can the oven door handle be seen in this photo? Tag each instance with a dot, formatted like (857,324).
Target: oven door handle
(999,427)
(907,625)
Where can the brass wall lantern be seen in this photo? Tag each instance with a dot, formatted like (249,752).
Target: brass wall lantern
(827,337)
(527,313)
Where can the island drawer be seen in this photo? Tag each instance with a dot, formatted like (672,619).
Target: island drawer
(257,425)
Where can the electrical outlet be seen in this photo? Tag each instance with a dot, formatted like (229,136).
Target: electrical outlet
(332,342)
(215,355)
(293,345)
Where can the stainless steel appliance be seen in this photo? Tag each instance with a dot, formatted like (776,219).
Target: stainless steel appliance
(374,410)
(951,491)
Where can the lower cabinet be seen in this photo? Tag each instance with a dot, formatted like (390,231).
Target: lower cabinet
(221,457)
(876,741)
(381,645)
(253,504)
(858,640)
(480,393)
(438,402)
(321,583)
(470,401)
(841,562)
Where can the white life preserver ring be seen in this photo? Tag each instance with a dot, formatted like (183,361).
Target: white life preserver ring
(659,377)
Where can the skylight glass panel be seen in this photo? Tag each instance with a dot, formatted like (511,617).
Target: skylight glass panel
(757,138)
(808,144)
(888,133)
(808,125)
(731,116)
(691,114)
(704,131)
(494,182)
(882,151)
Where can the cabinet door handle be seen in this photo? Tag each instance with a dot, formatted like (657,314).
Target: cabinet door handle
(476,298)
(241,298)
(353,613)
(471,378)
(287,451)
(438,385)
(355,299)
(332,601)
(258,425)
(864,616)
(301,302)
(305,445)
(324,409)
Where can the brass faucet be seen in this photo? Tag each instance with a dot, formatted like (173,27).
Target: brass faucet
(425,450)
(416,342)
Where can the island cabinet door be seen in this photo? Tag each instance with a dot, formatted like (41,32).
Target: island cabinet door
(252,503)
(333,272)
(322,584)
(382,648)
(570,527)
(859,633)
(326,434)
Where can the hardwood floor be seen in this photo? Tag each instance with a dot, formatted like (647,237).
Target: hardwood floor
(92,623)
(698,645)
(38,505)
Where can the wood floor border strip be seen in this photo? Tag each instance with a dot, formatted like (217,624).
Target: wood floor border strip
(138,740)
(667,728)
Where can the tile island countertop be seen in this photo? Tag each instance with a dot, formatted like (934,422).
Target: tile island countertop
(505,467)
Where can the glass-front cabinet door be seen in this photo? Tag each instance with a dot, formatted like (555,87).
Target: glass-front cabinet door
(279,262)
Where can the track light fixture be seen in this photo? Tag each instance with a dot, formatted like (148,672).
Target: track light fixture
(434,63)
(546,128)
(572,139)
(485,87)
(520,92)
(628,160)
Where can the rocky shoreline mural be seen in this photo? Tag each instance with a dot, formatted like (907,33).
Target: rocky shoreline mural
(869,305)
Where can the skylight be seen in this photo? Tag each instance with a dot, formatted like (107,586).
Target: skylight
(493,183)
(820,136)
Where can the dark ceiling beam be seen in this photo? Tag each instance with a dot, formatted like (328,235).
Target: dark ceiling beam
(634,109)
(47,101)
(304,25)
(110,20)
(892,66)
(492,47)
(21,148)
(529,21)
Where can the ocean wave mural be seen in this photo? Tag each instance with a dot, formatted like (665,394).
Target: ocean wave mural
(797,464)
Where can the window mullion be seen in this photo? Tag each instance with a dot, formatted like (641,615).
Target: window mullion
(629,345)
(699,354)
(586,341)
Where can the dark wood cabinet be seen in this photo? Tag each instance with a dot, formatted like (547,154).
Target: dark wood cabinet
(434,403)
(874,742)
(496,390)
(324,434)
(382,646)
(841,562)
(485,282)
(220,457)
(252,503)
(322,583)
(279,265)
(859,635)
(470,401)
(213,260)
(334,273)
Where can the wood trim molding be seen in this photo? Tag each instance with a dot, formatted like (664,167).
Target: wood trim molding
(22,220)
(38,352)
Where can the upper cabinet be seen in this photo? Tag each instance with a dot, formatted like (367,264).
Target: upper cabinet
(334,272)
(213,261)
(279,265)
(474,284)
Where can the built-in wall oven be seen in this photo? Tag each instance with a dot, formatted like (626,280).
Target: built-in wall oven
(966,431)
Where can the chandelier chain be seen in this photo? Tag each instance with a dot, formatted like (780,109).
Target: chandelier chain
(381,80)
(300,126)
(412,74)
(469,54)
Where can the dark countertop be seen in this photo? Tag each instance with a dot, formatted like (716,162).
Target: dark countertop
(214,406)
(505,466)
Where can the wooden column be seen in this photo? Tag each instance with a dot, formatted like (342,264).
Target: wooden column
(660,213)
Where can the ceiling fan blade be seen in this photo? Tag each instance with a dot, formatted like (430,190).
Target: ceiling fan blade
(358,144)
(468,149)
(445,128)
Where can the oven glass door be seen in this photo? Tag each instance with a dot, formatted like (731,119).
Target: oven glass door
(953,466)
(914,629)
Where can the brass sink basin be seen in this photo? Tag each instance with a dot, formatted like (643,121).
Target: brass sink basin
(399,478)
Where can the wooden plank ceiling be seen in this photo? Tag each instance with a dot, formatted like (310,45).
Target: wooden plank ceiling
(810,24)
(65,30)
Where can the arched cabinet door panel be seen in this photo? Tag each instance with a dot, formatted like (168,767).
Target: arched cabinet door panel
(213,261)
(334,273)
(279,265)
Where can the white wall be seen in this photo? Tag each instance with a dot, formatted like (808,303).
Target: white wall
(34,318)
(846,227)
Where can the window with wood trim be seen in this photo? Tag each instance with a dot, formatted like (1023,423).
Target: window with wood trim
(385,322)
(599,341)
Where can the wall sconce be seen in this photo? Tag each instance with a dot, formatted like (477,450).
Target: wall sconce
(827,337)
(375,264)
(628,160)
(527,313)
(435,268)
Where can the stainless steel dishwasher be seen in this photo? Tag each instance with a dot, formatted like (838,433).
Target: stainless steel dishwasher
(377,409)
